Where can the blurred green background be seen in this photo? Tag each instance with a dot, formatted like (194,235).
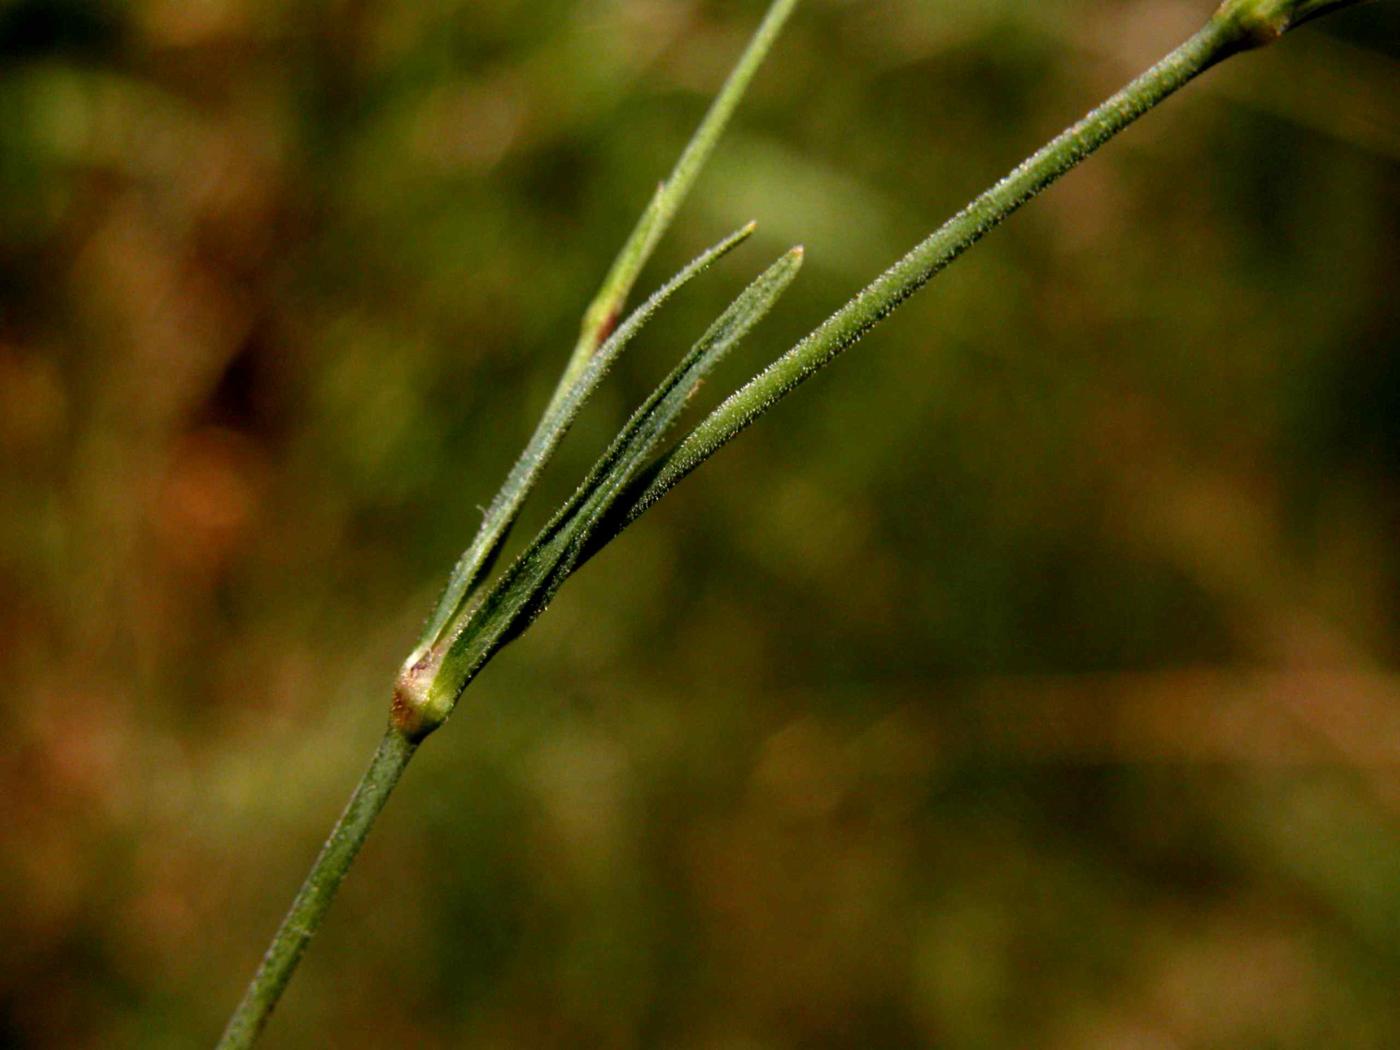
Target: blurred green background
(1027,680)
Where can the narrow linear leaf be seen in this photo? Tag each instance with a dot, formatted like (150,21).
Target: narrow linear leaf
(598,494)
(505,507)
(532,581)
(651,421)
(597,339)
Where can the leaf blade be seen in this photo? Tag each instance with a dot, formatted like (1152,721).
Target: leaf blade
(559,417)
(564,543)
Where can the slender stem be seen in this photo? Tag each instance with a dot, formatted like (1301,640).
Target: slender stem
(317,892)
(1220,38)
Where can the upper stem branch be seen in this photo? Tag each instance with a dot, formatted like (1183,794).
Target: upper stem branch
(1237,25)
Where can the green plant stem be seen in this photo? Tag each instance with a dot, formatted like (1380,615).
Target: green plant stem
(318,890)
(1221,37)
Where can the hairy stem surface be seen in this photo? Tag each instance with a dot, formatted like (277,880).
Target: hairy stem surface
(1221,37)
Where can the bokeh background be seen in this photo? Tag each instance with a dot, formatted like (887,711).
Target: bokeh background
(1027,680)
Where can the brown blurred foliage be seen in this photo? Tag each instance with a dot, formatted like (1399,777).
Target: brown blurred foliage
(1029,680)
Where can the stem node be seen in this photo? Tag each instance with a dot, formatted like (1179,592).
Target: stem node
(416,710)
(1258,23)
